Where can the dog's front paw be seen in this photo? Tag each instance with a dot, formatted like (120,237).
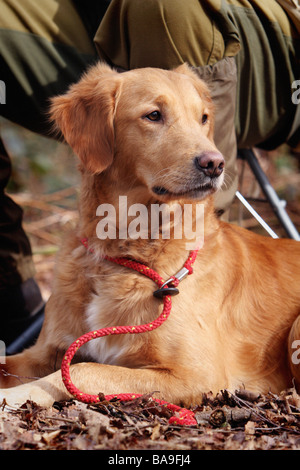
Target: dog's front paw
(17,396)
(9,397)
(43,392)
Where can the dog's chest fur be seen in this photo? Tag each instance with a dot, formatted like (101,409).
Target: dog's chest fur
(120,298)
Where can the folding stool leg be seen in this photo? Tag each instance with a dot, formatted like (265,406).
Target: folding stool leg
(278,206)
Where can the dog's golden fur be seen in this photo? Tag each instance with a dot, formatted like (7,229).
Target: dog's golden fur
(236,317)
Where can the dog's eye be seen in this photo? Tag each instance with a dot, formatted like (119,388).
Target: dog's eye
(204,118)
(154,116)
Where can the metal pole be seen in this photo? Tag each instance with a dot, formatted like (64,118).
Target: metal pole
(276,203)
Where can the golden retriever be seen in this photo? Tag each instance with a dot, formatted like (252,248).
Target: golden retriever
(147,135)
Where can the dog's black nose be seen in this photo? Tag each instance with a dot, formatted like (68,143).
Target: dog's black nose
(210,163)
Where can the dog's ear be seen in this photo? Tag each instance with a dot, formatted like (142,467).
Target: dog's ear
(203,91)
(85,116)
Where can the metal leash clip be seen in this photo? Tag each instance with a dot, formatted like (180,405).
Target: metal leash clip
(165,289)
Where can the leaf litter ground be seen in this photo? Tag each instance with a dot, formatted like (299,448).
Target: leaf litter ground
(239,421)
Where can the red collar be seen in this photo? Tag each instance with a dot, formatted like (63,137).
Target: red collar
(168,287)
(185,416)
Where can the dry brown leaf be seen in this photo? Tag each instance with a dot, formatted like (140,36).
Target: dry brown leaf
(250,428)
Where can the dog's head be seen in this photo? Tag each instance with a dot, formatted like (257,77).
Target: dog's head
(152,127)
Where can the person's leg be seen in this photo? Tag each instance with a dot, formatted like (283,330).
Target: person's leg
(42,51)
(11,233)
(158,33)
(167,33)
(222,81)
(20,297)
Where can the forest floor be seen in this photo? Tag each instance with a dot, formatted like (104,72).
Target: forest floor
(240,421)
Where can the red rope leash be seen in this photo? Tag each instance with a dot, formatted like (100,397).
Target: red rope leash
(186,417)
